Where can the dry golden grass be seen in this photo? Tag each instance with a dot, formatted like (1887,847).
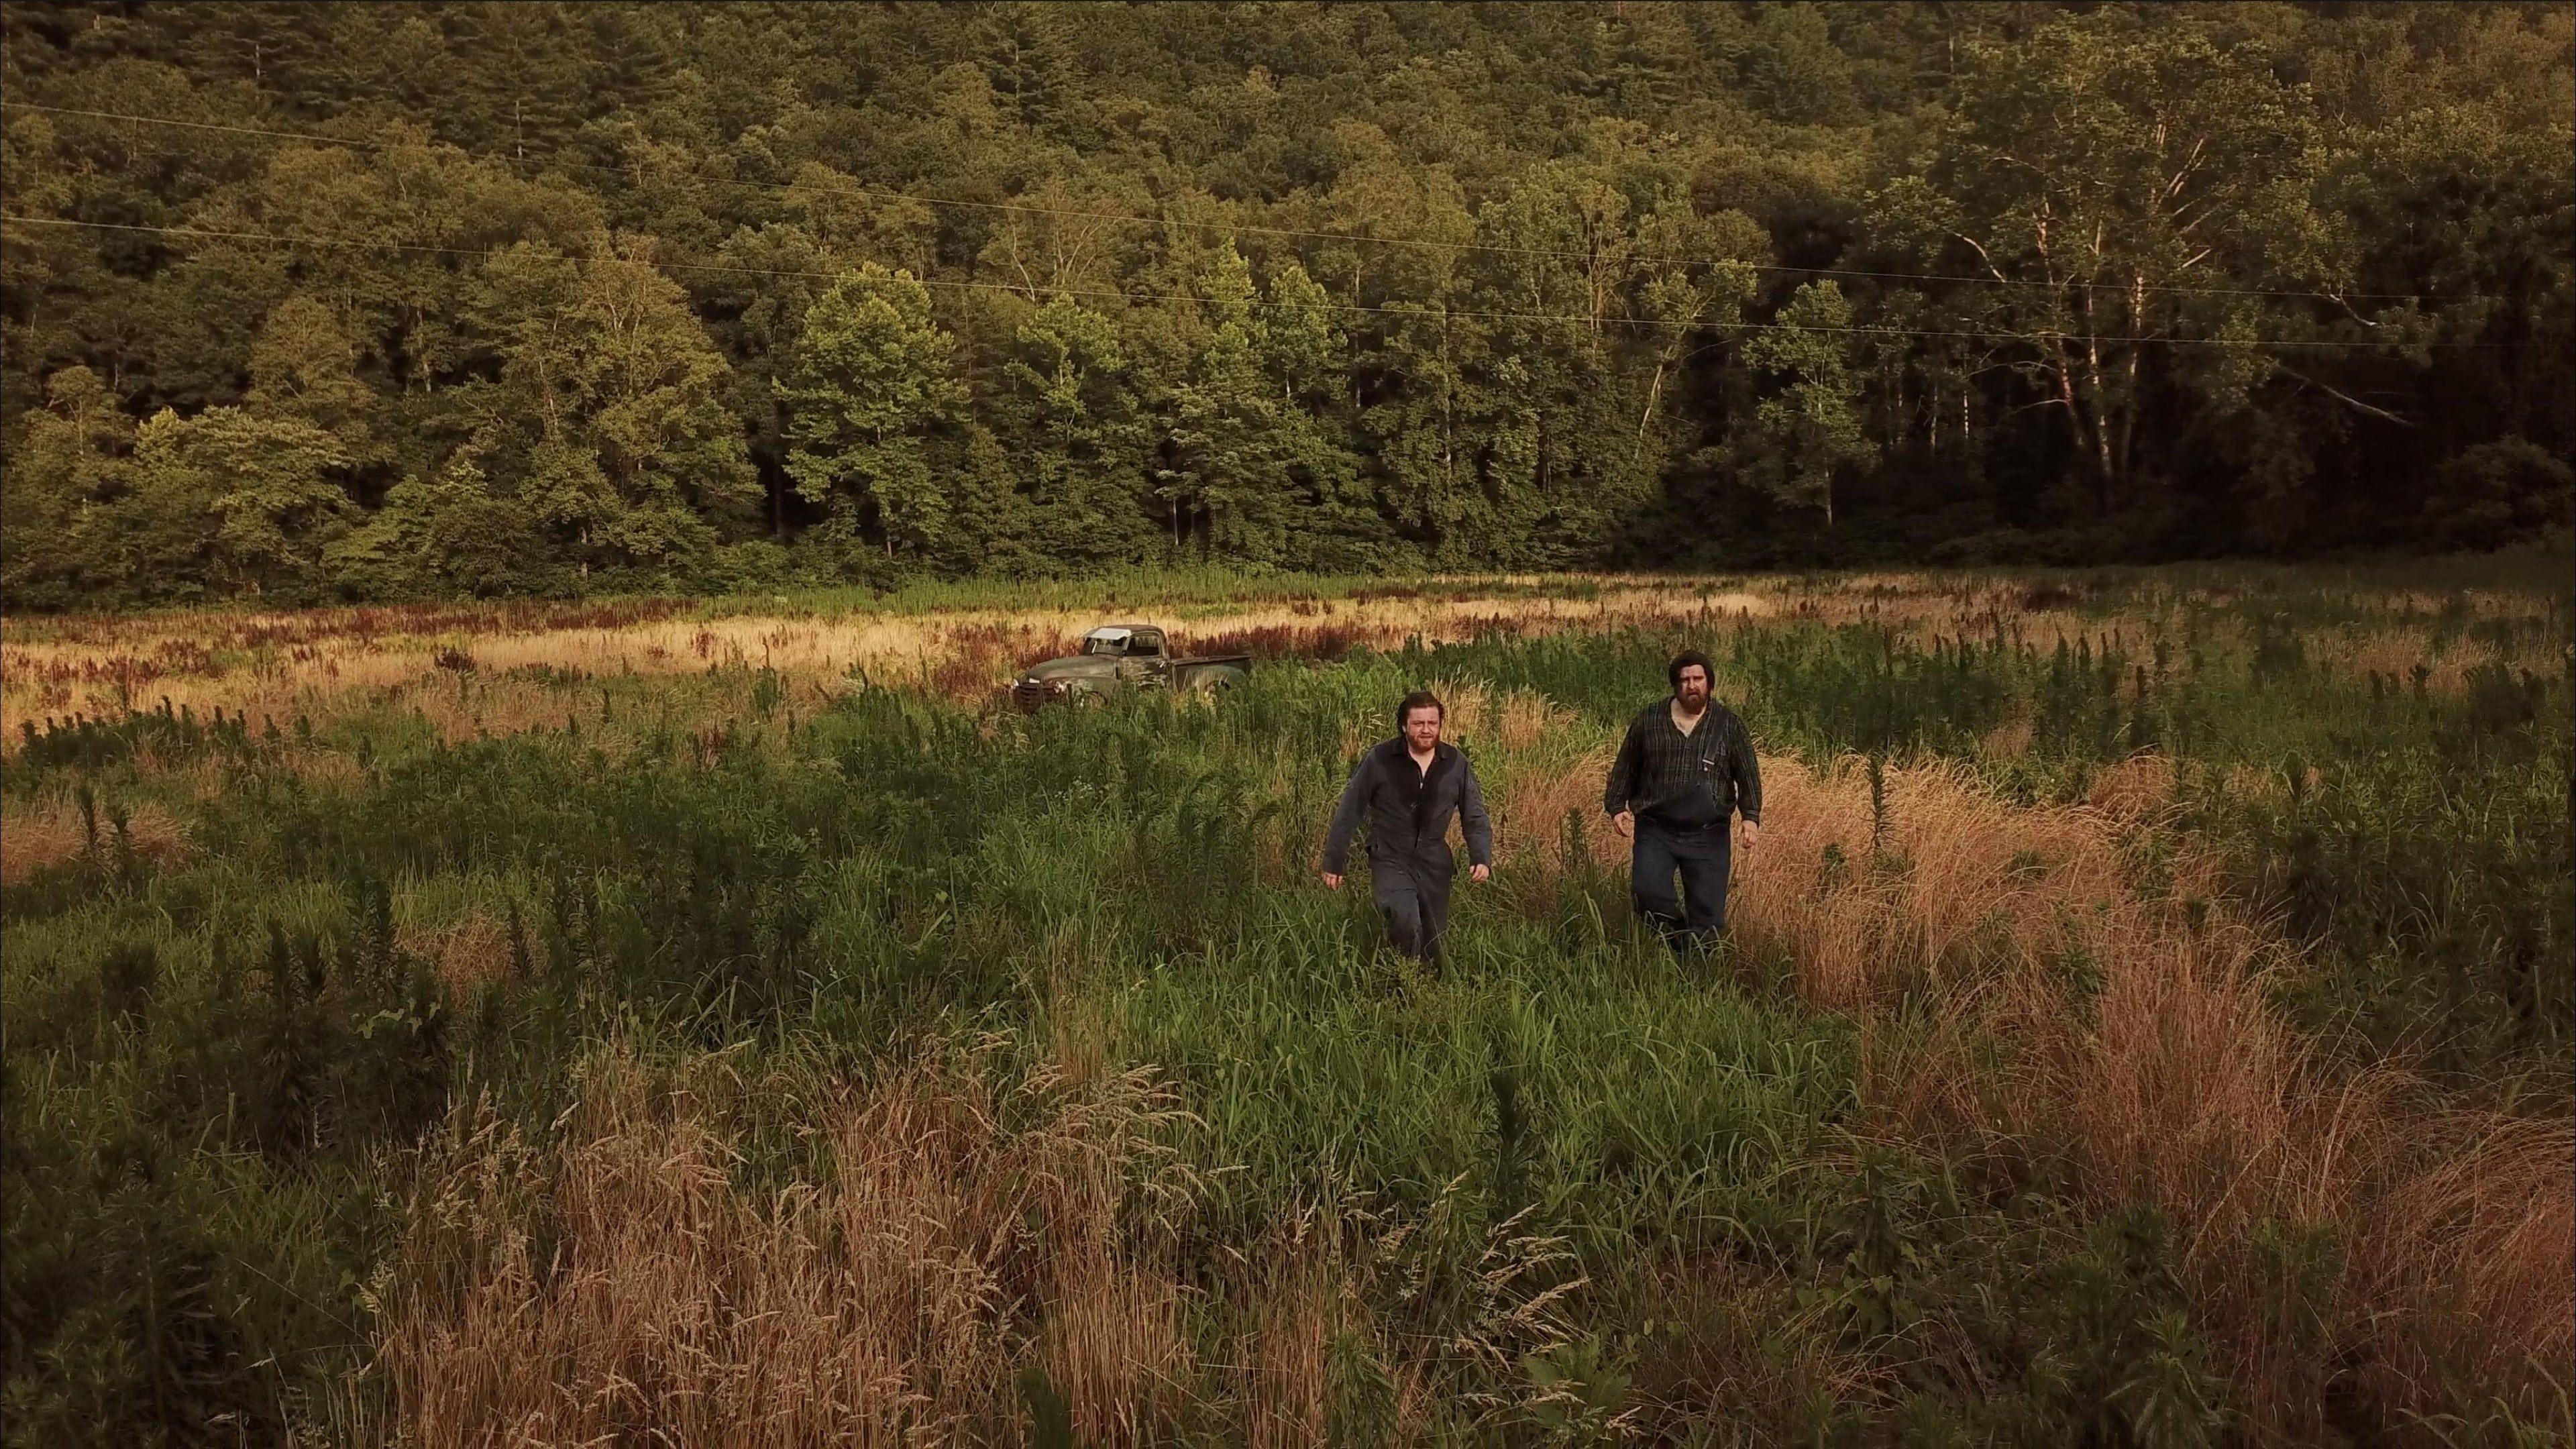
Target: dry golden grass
(2398,652)
(2472,1252)
(622,1282)
(1528,719)
(2138,790)
(2007,741)
(316,662)
(467,952)
(2137,1032)
(1956,875)
(2069,1009)
(49,832)
(33,837)
(968,1229)
(281,666)
(1512,722)
(465,708)
(1283,1377)
(108,668)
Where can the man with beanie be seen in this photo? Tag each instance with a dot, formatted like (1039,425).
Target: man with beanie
(1684,771)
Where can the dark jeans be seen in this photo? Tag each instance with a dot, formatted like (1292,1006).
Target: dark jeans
(1415,904)
(1701,858)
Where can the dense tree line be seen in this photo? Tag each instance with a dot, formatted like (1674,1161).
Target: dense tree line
(403,299)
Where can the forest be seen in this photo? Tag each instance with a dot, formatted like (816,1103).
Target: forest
(316,303)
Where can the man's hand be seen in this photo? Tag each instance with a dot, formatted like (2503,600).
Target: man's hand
(1752,833)
(1332,882)
(1480,872)
(1626,820)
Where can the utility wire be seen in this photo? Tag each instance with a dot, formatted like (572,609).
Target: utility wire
(1129,218)
(1416,310)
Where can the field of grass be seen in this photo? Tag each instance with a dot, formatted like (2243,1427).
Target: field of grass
(2147,1022)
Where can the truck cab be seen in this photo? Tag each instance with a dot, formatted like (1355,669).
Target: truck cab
(1136,649)
(1115,658)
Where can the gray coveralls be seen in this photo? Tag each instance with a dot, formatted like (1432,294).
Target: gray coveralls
(1410,863)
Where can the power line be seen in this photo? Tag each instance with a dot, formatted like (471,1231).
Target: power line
(194,125)
(1413,310)
(1252,229)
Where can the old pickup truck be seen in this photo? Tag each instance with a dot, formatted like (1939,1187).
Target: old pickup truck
(1120,657)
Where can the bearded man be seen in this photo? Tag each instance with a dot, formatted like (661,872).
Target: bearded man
(1682,774)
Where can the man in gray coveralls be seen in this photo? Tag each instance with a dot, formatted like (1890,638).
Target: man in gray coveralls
(1409,787)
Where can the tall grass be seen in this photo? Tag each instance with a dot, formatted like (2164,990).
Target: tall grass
(765,1068)
(2417,841)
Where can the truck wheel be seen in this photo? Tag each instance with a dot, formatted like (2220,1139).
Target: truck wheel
(1090,699)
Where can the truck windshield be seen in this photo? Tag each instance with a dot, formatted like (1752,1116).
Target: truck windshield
(1105,644)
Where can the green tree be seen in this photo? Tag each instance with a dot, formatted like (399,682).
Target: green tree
(389,222)
(1792,69)
(1228,446)
(1337,525)
(2457,204)
(1031,64)
(441,536)
(2234,276)
(228,501)
(1537,380)
(991,525)
(773,275)
(66,470)
(2501,492)
(1417,431)
(1811,429)
(613,396)
(303,365)
(2090,171)
(154,537)
(872,381)
(521,75)
(1082,434)
(1696,277)
(275,487)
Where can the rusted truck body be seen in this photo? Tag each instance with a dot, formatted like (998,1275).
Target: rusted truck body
(1117,658)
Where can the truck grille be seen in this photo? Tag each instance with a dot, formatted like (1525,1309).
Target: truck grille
(1028,694)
